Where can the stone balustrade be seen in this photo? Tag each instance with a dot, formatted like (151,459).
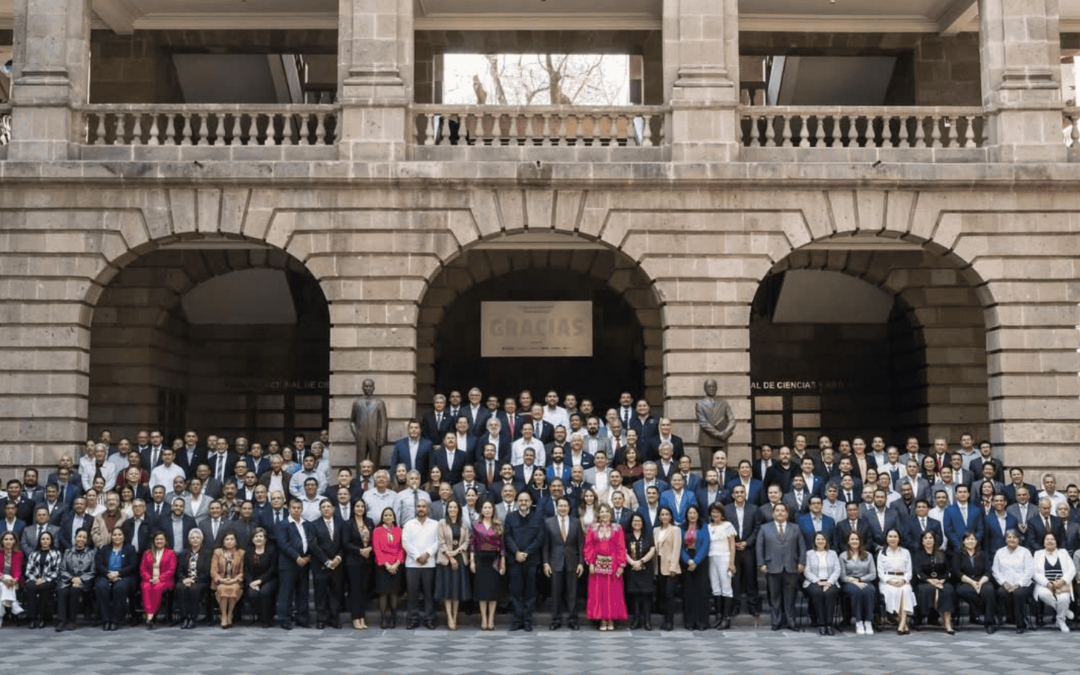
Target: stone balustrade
(159,130)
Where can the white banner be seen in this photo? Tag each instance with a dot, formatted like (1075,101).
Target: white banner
(535,329)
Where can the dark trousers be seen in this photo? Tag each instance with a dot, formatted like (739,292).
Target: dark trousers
(522,590)
(745,581)
(190,598)
(68,600)
(39,599)
(328,594)
(262,601)
(420,580)
(112,598)
(782,590)
(359,589)
(1016,602)
(665,592)
(925,596)
(292,601)
(863,600)
(823,602)
(564,589)
(985,600)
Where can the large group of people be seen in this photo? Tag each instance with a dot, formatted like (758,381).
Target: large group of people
(504,505)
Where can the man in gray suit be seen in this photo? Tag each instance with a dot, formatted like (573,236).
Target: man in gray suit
(32,533)
(781,550)
(562,551)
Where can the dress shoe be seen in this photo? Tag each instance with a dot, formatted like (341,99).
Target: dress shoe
(1020,629)
(829,631)
(430,625)
(59,628)
(286,625)
(412,625)
(335,624)
(647,625)
(990,629)
(573,625)
(777,627)
(528,628)
(319,625)
(149,625)
(515,626)
(555,625)
(635,624)
(950,631)
(793,627)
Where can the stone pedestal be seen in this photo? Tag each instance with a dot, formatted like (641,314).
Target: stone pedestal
(51,61)
(1020,50)
(375,55)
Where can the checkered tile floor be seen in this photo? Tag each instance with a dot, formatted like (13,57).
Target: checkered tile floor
(744,649)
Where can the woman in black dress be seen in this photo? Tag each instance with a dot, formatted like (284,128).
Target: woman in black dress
(260,572)
(640,573)
(933,588)
(538,487)
(359,562)
(974,579)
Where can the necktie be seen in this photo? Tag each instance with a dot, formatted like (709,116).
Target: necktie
(922,524)
(345,513)
(330,529)
(510,421)
(213,529)
(491,473)
(1047,521)
(97,472)
(364,487)
(964,515)
(798,500)
(135,535)
(277,517)
(220,465)
(781,532)
(848,497)
(562,527)
(154,458)
(40,531)
(438,420)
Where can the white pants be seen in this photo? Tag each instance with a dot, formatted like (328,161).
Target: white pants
(1060,603)
(719,578)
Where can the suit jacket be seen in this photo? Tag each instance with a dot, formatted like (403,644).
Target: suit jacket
(266,521)
(668,499)
(650,524)
(815,571)
(754,492)
(450,474)
(976,488)
(993,537)
(290,545)
(325,548)
(230,459)
(856,470)
(435,431)
(665,473)
(842,531)
(1036,531)
(189,466)
(563,475)
(903,510)
(976,467)
(639,489)
(975,567)
(72,491)
(264,480)
(146,528)
(919,487)
(963,477)
(504,420)
(793,507)
(758,470)
(1010,493)
(877,534)
(28,541)
(722,496)
(477,420)
(202,566)
(129,561)
(806,526)
(562,555)
(24,510)
(147,455)
(601,442)
(207,527)
(545,431)
(652,447)
(56,510)
(460,489)
(748,527)
(165,523)
(778,475)
(523,533)
(623,518)
(954,524)
(780,555)
(401,455)
(915,530)
(260,466)
(646,430)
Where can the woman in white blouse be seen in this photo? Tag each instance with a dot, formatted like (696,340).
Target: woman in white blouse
(894,570)
(1054,573)
(1014,569)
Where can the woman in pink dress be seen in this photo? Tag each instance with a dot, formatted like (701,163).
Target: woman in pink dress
(605,552)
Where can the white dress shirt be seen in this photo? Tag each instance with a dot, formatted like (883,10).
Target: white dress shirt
(418,538)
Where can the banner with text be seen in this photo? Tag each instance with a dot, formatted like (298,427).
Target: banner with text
(536,329)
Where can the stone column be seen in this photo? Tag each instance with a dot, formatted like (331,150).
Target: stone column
(52,66)
(1020,50)
(701,76)
(375,56)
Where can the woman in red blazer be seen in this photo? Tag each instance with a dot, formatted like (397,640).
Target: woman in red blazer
(158,572)
(390,563)
(11,575)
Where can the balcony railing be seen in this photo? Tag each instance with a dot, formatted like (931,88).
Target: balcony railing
(824,133)
(210,130)
(631,133)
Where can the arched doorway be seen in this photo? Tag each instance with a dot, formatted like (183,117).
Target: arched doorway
(625,313)
(227,336)
(868,336)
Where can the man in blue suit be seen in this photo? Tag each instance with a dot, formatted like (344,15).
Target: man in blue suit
(677,499)
(962,517)
(998,522)
(510,420)
(412,451)
(815,521)
(751,485)
(294,537)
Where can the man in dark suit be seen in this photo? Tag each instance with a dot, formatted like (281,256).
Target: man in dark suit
(1037,529)
(881,519)
(780,473)
(663,435)
(743,517)
(719,460)
(476,412)
(438,422)
(998,522)
(1016,475)
(986,457)
(780,551)
(649,507)
(67,485)
(177,525)
(151,454)
(524,539)
(468,480)
(620,514)
(327,552)
(510,420)
(450,459)
(650,478)
(798,499)
(814,521)
(853,523)
(50,499)
(139,528)
(277,514)
(294,541)
(506,477)
(919,522)
(191,455)
(31,534)
(962,517)
(24,508)
(711,492)
(645,424)
(563,562)
(543,429)
(412,451)
(762,465)
(74,520)
(495,435)
(214,525)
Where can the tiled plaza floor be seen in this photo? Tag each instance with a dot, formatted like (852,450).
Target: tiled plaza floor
(468,651)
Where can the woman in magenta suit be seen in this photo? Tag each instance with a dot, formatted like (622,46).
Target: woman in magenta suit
(158,571)
(605,552)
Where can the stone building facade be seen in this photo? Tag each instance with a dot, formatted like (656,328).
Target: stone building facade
(956,199)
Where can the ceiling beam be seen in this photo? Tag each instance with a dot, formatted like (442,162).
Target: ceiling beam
(117,14)
(958,17)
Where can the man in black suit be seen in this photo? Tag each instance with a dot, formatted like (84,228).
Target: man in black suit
(276,514)
(177,525)
(74,520)
(1016,475)
(139,528)
(449,459)
(510,419)
(213,526)
(780,473)
(151,454)
(719,461)
(31,534)
(56,507)
(1037,526)
(853,523)
(761,466)
(24,508)
(543,429)
(191,455)
(711,491)
(438,422)
(920,522)
(986,457)
(523,537)
(562,551)
(620,514)
(743,517)
(327,552)
(222,462)
(780,551)
(645,424)
(488,468)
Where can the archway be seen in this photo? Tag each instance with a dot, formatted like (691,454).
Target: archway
(227,336)
(625,312)
(868,336)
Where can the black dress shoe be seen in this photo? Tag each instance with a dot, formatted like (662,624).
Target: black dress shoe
(319,625)
(829,630)
(285,625)
(990,629)
(430,625)
(412,625)
(555,625)
(573,625)
(335,624)
(528,628)
(776,627)
(59,628)
(793,627)
(647,625)
(515,626)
